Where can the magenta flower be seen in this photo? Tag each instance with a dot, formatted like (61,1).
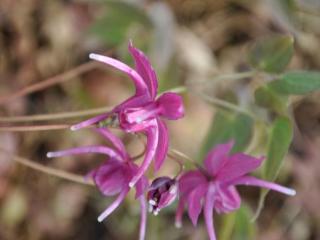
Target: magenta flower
(142,112)
(213,187)
(161,193)
(113,176)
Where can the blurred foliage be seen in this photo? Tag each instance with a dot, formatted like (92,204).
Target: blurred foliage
(119,22)
(301,82)
(272,54)
(226,126)
(266,97)
(41,39)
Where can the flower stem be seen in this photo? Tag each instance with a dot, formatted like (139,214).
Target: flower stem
(50,82)
(55,116)
(34,128)
(48,170)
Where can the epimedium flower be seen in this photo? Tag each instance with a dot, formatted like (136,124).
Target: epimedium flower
(161,193)
(143,112)
(213,186)
(113,176)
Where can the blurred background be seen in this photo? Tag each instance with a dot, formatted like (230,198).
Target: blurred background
(190,43)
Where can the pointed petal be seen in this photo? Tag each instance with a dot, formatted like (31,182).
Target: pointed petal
(141,186)
(171,105)
(163,144)
(252,181)
(141,87)
(90,121)
(110,177)
(179,212)
(227,199)
(194,202)
(189,181)
(113,205)
(238,165)
(208,212)
(217,157)
(117,143)
(143,219)
(152,142)
(87,149)
(145,70)
(134,101)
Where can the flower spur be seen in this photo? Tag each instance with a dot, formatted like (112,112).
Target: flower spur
(113,176)
(213,187)
(142,111)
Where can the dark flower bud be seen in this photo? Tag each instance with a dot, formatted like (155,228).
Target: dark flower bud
(162,192)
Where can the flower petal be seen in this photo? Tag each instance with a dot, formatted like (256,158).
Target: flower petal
(227,199)
(88,149)
(152,142)
(141,87)
(145,70)
(179,212)
(113,205)
(143,219)
(163,145)
(252,181)
(208,211)
(171,105)
(110,177)
(141,186)
(189,181)
(238,165)
(194,202)
(117,143)
(132,102)
(90,121)
(217,157)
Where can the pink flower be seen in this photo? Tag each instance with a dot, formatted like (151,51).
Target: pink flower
(113,176)
(161,193)
(142,112)
(213,187)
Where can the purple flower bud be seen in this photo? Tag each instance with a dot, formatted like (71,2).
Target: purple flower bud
(162,192)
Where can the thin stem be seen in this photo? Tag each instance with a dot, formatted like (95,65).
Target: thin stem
(177,153)
(50,82)
(179,162)
(37,128)
(34,128)
(55,116)
(224,104)
(187,158)
(179,89)
(223,77)
(48,170)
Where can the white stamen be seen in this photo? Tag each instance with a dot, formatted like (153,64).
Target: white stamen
(150,208)
(156,212)
(178,224)
(138,119)
(173,189)
(152,202)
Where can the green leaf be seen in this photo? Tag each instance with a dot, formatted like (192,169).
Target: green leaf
(243,229)
(119,17)
(280,139)
(226,126)
(268,98)
(300,82)
(272,54)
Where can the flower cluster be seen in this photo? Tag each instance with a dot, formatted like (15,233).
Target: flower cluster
(211,187)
